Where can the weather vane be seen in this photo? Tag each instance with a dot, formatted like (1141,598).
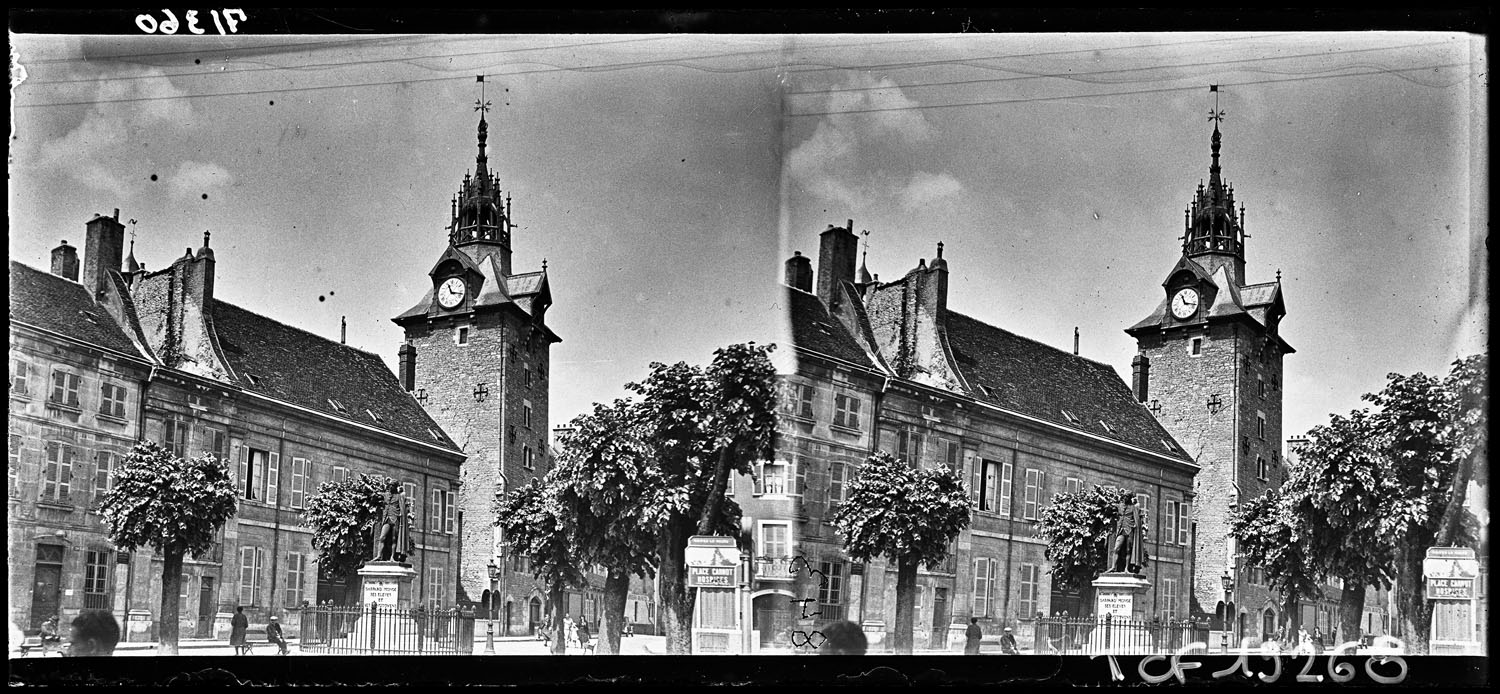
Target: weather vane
(1215,114)
(480,104)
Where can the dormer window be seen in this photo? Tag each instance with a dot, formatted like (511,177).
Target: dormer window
(254,381)
(1106,426)
(374,416)
(337,406)
(1069,416)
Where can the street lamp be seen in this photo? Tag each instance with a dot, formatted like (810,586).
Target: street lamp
(1228,582)
(489,610)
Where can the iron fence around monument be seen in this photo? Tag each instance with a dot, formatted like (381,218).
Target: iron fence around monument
(1090,635)
(386,630)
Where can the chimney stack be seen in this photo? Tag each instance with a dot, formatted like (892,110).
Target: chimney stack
(799,274)
(406,365)
(1075,340)
(1140,377)
(837,249)
(343,330)
(103,251)
(65,261)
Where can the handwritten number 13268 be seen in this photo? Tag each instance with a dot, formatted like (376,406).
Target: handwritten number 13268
(150,25)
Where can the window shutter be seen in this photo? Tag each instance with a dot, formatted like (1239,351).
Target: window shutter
(247,575)
(298,481)
(273,478)
(976,467)
(435,518)
(238,470)
(1007,482)
(449,517)
(260,560)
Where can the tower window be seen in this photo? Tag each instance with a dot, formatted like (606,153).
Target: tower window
(463,335)
(1260,426)
(1260,467)
(1195,346)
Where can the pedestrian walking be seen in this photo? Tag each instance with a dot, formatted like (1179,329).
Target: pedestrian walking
(973,636)
(1317,640)
(273,634)
(1008,643)
(583,632)
(238,627)
(94,633)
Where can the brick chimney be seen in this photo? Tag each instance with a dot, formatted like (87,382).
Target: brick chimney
(836,254)
(103,251)
(799,274)
(65,261)
(1140,377)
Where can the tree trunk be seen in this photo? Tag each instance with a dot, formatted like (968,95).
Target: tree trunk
(1415,617)
(716,488)
(616,591)
(1351,610)
(171,589)
(1293,609)
(906,597)
(558,597)
(676,599)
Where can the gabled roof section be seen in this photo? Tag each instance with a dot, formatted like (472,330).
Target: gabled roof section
(527,283)
(420,309)
(297,367)
(815,331)
(493,291)
(1227,300)
(1036,380)
(1189,265)
(1261,294)
(451,253)
(49,302)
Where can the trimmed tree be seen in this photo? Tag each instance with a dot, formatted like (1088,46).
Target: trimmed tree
(700,426)
(907,515)
(1433,432)
(608,479)
(341,515)
(1077,528)
(1274,537)
(539,525)
(173,505)
(1340,488)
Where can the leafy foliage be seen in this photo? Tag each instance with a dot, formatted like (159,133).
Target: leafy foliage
(1273,537)
(1077,527)
(894,510)
(172,504)
(341,515)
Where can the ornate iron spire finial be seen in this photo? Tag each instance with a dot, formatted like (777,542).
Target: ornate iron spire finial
(1278,275)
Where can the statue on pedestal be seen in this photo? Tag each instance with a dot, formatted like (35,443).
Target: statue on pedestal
(1127,546)
(391,534)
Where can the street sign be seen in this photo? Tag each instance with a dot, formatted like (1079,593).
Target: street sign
(713,541)
(711,577)
(1450,588)
(1450,553)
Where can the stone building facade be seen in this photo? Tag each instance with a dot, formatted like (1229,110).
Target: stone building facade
(889,366)
(477,356)
(120,354)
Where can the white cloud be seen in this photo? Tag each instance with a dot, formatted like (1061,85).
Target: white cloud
(857,153)
(193,179)
(926,188)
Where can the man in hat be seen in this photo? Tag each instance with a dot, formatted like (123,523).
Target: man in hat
(274,635)
(1008,643)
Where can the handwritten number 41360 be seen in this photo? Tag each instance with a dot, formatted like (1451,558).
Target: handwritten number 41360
(169,25)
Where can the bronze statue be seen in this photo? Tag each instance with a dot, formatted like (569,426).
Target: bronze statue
(1127,550)
(391,534)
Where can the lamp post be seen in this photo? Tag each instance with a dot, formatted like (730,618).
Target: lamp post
(489,610)
(1228,582)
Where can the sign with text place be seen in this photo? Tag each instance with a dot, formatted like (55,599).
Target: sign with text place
(711,577)
(1450,588)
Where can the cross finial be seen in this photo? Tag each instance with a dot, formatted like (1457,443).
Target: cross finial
(1278,275)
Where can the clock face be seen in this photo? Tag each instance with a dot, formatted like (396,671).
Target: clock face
(1185,303)
(451,292)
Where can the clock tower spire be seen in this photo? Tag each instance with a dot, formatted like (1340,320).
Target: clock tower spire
(480,223)
(1214,235)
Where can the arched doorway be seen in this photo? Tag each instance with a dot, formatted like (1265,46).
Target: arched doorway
(536,614)
(772,616)
(1268,624)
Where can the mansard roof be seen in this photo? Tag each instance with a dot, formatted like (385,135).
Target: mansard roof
(1037,380)
(298,367)
(816,331)
(44,300)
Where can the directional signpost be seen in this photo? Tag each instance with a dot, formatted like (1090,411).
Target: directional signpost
(714,568)
(1452,575)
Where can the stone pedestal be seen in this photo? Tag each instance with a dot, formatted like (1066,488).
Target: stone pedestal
(1120,610)
(385,583)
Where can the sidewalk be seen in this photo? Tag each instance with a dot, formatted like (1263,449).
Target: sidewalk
(204,644)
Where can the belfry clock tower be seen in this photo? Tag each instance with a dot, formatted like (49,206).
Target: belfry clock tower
(1209,367)
(476,357)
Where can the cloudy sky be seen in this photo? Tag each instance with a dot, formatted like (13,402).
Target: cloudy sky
(664,178)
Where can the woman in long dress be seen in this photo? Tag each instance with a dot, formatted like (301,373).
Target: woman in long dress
(237,628)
